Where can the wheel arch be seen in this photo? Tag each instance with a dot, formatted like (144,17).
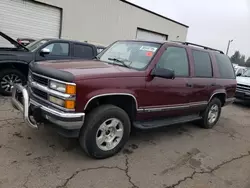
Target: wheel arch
(220,94)
(21,66)
(122,100)
(111,94)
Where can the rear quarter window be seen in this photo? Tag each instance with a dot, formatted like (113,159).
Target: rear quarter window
(225,66)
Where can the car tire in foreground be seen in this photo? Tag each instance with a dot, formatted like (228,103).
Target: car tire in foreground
(105,131)
(212,114)
(8,78)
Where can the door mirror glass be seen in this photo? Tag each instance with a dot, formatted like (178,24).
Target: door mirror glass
(45,51)
(163,73)
(239,74)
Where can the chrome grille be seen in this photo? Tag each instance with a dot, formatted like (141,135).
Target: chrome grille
(39,79)
(243,88)
(40,93)
(39,89)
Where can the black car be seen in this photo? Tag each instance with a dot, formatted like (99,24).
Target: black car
(14,60)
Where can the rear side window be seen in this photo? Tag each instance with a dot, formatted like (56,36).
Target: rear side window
(83,51)
(225,66)
(175,58)
(202,64)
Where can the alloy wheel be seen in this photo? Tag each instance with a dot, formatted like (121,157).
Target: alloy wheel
(9,80)
(109,134)
(213,113)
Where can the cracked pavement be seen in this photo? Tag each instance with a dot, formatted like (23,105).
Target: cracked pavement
(179,156)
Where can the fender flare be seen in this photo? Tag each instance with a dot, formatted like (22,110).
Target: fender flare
(110,94)
(219,91)
(13,61)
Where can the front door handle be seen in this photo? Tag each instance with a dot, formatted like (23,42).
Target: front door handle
(189,85)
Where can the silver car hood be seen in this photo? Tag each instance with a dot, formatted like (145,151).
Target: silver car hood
(243,80)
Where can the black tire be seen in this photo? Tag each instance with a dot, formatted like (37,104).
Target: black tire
(204,123)
(10,72)
(93,121)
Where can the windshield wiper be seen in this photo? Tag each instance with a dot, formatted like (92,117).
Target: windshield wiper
(122,61)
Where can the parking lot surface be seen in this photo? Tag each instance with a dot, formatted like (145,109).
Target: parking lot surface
(173,157)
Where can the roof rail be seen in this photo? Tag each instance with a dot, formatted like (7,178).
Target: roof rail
(204,47)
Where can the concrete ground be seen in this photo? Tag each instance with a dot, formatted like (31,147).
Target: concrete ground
(174,157)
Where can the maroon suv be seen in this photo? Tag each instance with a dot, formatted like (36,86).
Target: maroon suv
(131,83)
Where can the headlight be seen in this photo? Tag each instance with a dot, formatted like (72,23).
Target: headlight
(64,88)
(57,86)
(69,104)
(57,101)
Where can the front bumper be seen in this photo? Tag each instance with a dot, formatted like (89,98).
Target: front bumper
(69,121)
(243,95)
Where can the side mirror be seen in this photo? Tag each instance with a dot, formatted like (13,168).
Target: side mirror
(239,74)
(44,51)
(163,73)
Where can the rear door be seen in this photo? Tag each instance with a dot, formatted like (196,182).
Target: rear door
(83,51)
(203,81)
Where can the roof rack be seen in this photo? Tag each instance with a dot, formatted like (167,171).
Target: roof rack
(204,47)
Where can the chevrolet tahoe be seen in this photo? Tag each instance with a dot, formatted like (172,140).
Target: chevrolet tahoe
(144,84)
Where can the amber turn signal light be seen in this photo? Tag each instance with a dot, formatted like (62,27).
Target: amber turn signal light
(69,104)
(71,89)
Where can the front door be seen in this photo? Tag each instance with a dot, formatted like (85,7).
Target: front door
(169,97)
(57,51)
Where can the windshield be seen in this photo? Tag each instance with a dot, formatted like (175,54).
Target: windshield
(36,44)
(134,54)
(247,73)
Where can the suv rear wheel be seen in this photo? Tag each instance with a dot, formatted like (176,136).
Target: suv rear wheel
(105,132)
(212,114)
(8,78)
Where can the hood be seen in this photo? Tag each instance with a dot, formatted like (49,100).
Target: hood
(12,41)
(243,80)
(90,69)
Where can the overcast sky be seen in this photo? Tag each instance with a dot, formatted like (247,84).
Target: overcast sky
(211,22)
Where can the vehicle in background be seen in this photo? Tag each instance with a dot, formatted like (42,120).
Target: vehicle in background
(25,41)
(144,84)
(235,65)
(239,70)
(243,86)
(14,60)
(100,47)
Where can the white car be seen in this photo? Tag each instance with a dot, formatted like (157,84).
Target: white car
(239,70)
(243,86)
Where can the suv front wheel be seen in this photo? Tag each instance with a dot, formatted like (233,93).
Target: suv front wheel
(105,132)
(212,114)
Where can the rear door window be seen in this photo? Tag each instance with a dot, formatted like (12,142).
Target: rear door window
(202,64)
(225,66)
(83,51)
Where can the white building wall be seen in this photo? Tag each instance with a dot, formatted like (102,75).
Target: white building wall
(105,21)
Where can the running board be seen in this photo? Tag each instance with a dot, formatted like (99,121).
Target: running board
(165,122)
